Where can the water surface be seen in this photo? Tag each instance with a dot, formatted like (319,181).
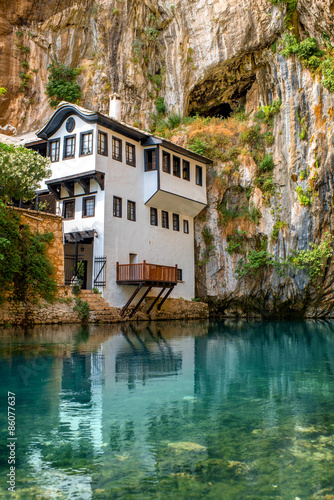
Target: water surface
(171,410)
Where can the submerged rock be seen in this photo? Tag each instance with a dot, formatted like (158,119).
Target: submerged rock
(187,446)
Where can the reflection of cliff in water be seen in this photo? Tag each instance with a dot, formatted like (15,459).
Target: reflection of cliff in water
(146,356)
(273,361)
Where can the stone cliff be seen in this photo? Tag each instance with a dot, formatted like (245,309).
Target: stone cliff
(211,57)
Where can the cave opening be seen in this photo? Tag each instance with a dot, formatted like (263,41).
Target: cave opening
(222,110)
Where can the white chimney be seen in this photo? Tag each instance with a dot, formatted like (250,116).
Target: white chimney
(115,106)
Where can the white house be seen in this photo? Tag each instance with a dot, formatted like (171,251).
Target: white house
(128,200)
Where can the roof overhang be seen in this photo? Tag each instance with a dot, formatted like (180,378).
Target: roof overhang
(65,110)
(174,203)
(68,182)
(80,236)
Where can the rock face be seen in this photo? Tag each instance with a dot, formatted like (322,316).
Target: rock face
(206,56)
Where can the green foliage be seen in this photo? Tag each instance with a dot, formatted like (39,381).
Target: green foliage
(115,11)
(240,114)
(2,90)
(266,113)
(254,213)
(267,163)
(236,242)
(279,224)
(96,291)
(302,175)
(152,33)
(303,133)
(198,146)
(251,136)
(21,171)
(314,260)
(25,269)
(208,238)
(312,57)
(160,105)
(304,195)
(269,139)
(62,84)
(327,68)
(82,308)
(254,262)
(76,288)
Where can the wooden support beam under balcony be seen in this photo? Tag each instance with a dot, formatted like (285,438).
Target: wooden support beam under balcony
(146,274)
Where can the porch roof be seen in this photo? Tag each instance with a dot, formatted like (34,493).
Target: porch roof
(80,236)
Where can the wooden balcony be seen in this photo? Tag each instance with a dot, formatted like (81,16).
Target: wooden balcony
(144,273)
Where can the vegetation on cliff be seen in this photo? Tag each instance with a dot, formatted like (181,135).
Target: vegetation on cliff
(62,84)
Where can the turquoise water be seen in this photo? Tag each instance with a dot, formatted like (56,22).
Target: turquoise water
(197,410)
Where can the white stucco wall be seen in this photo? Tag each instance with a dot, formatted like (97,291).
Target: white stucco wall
(117,238)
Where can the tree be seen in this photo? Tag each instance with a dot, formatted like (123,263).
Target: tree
(62,84)
(26,272)
(21,171)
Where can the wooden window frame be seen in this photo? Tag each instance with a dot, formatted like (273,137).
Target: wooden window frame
(176,222)
(155,212)
(165,224)
(67,202)
(185,226)
(114,157)
(53,141)
(129,212)
(199,175)
(114,205)
(73,136)
(146,152)
(166,155)
(84,201)
(177,173)
(82,134)
(127,161)
(105,135)
(186,168)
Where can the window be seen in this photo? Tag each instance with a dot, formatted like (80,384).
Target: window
(86,143)
(154,217)
(68,209)
(117,149)
(69,146)
(88,207)
(186,170)
(117,207)
(130,151)
(165,221)
(102,143)
(166,162)
(150,160)
(199,176)
(176,222)
(179,274)
(186,226)
(131,210)
(54,150)
(176,166)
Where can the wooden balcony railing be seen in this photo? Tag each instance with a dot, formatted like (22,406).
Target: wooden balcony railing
(131,274)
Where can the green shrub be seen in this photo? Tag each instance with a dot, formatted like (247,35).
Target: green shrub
(62,84)
(276,229)
(254,213)
(314,259)
(160,105)
(198,146)
(236,242)
(266,113)
(269,139)
(252,137)
(304,195)
(82,308)
(267,164)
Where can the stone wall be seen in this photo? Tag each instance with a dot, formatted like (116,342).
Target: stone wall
(61,312)
(43,222)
